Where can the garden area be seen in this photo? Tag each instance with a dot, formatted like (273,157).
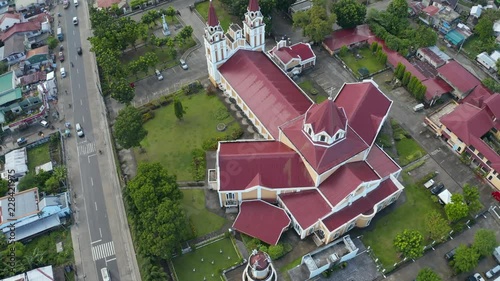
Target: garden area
(207,262)
(171,142)
(407,148)
(201,221)
(38,155)
(223,15)
(363,62)
(308,87)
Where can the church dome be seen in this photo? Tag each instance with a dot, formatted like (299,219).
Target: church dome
(325,122)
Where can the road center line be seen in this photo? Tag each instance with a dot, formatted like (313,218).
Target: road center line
(81,102)
(100,232)
(83,119)
(95,203)
(92,181)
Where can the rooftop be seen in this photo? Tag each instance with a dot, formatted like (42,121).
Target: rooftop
(26,204)
(436,87)
(458,76)
(381,163)
(300,51)
(346,37)
(7,82)
(467,121)
(436,115)
(20,27)
(295,203)
(44,50)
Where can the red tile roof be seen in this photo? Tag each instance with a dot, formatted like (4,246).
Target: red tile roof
(347,37)
(326,117)
(487,151)
(107,3)
(300,51)
(365,106)
(269,93)
(381,162)
(270,164)
(436,87)
(212,16)
(261,220)
(20,27)
(253,6)
(467,121)
(493,104)
(363,205)
(345,180)
(323,158)
(458,76)
(259,260)
(431,10)
(306,207)
(477,96)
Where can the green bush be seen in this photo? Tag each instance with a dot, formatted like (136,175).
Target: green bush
(148,116)
(276,251)
(198,164)
(426,178)
(384,140)
(237,133)
(221,113)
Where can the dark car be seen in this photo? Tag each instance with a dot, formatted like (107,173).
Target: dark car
(450,255)
(437,189)
(79,50)
(471,278)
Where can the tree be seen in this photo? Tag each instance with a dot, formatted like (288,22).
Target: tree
(128,127)
(60,173)
(410,243)
(398,8)
(51,185)
(471,197)
(406,78)
(484,28)
(343,51)
(485,242)
(350,13)
(465,259)
(315,23)
(413,84)
(284,5)
(28,181)
(121,91)
(52,42)
(438,227)
(427,274)
(4,187)
(457,209)
(170,12)
(490,83)
(178,109)
(374,48)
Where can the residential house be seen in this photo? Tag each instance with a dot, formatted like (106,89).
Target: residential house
(16,161)
(445,20)
(459,35)
(476,11)
(347,37)
(472,130)
(30,29)
(104,4)
(428,13)
(452,4)
(300,5)
(33,216)
(45,273)
(316,169)
(7,20)
(485,60)
(13,50)
(38,55)
(433,56)
(462,81)
(293,59)
(9,92)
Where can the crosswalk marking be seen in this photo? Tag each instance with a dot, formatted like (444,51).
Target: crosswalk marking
(86,148)
(103,251)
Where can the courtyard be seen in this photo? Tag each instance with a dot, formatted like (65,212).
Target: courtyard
(38,155)
(201,220)
(360,60)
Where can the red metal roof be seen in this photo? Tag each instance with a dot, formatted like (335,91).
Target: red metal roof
(436,87)
(477,97)
(365,106)
(487,151)
(326,117)
(268,92)
(458,76)
(20,27)
(261,220)
(212,16)
(431,10)
(270,164)
(347,37)
(493,104)
(253,5)
(300,51)
(259,260)
(307,207)
(381,162)
(345,180)
(433,56)
(323,158)
(363,205)
(466,121)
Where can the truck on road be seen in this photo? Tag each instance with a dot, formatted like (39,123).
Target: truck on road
(60,35)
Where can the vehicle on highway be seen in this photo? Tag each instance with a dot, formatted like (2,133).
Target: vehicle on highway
(63,72)
(79,130)
(76,3)
(437,189)
(65,4)
(158,75)
(75,20)
(451,254)
(492,272)
(61,56)
(60,35)
(79,50)
(183,64)
(105,274)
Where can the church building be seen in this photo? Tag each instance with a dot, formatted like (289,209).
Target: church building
(317,168)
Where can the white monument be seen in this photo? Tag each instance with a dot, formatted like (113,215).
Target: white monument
(165,29)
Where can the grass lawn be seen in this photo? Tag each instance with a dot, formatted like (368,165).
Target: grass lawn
(38,156)
(170,142)
(185,264)
(409,150)
(202,220)
(308,87)
(284,270)
(410,215)
(473,47)
(223,15)
(369,61)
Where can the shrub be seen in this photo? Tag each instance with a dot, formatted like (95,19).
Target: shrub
(148,116)
(198,164)
(384,140)
(144,110)
(276,251)
(426,178)
(211,90)
(210,144)
(237,133)
(343,50)
(263,248)
(221,113)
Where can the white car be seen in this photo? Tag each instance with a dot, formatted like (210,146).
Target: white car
(183,64)
(79,130)
(63,72)
(478,277)
(158,74)
(75,20)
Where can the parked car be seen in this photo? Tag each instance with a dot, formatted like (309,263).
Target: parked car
(21,141)
(429,184)
(61,56)
(183,64)
(44,123)
(79,51)
(471,278)
(492,272)
(451,254)
(79,130)
(63,72)
(158,75)
(478,277)
(437,189)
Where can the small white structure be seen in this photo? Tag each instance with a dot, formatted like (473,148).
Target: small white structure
(485,60)
(445,197)
(47,167)
(259,267)
(165,29)
(293,59)
(39,274)
(495,55)
(17,161)
(475,11)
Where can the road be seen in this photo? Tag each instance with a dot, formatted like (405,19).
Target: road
(101,232)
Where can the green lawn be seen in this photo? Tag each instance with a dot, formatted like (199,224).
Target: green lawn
(369,61)
(408,151)
(473,47)
(410,215)
(185,264)
(202,220)
(308,87)
(38,156)
(223,15)
(170,142)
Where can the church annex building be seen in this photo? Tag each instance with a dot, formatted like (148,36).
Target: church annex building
(317,168)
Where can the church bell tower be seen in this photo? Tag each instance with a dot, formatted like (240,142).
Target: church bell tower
(215,45)
(254,27)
